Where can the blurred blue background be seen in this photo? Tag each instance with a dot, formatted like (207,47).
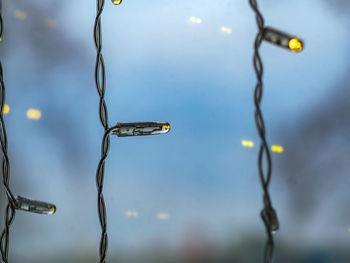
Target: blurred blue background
(194,194)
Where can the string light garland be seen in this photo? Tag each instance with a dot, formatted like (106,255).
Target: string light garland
(13,202)
(120,129)
(268,213)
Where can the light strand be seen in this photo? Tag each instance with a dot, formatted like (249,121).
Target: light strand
(268,214)
(13,202)
(100,81)
(120,129)
(10,210)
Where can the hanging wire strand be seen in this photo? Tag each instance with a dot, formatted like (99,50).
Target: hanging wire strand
(10,210)
(268,214)
(100,79)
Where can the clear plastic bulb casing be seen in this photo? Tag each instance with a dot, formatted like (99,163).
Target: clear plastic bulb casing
(270,218)
(283,40)
(117,2)
(34,206)
(140,128)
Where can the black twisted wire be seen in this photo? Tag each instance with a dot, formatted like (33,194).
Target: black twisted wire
(100,80)
(268,214)
(10,208)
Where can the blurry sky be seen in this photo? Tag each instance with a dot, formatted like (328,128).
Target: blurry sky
(163,67)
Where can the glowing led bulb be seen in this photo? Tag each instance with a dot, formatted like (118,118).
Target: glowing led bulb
(117,2)
(34,206)
(6,109)
(283,40)
(295,45)
(140,128)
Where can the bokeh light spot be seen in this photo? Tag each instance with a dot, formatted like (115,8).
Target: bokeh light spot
(6,109)
(163,216)
(277,148)
(246,143)
(226,30)
(21,15)
(33,114)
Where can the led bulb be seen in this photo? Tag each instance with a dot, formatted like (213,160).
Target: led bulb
(270,218)
(140,128)
(34,206)
(117,2)
(283,40)
(6,109)
(295,45)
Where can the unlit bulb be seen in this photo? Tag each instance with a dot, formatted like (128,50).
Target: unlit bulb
(270,218)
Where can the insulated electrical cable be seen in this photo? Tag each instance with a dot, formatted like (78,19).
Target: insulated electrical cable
(268,214)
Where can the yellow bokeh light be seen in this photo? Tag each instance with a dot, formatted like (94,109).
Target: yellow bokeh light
(130,213)
(295,45)
(226,30)
(6,109)
(21,15)
(117,2)
(163,216)
(246,143)
(51,23)
(277,148)
(195,20)
(33,114)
